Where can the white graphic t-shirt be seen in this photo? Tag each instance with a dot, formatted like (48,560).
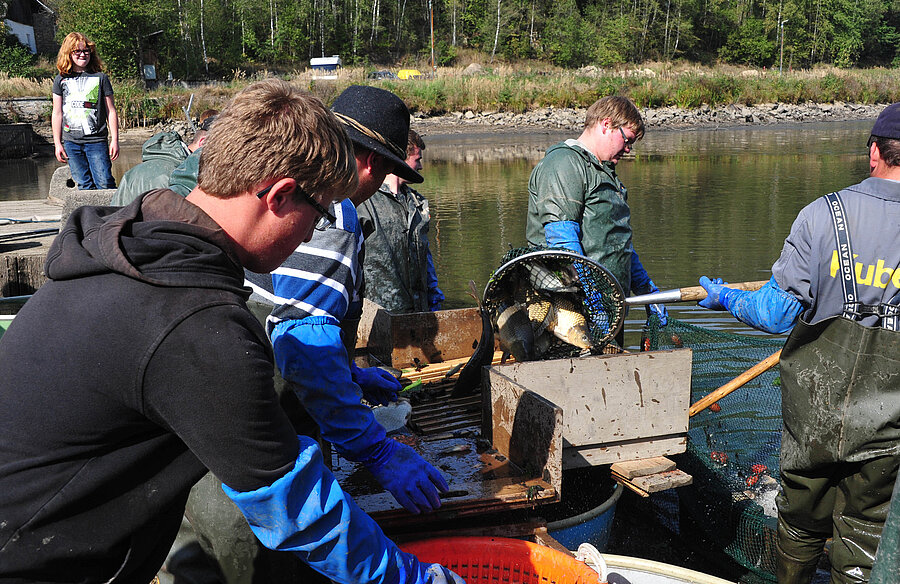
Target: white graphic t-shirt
(83,106)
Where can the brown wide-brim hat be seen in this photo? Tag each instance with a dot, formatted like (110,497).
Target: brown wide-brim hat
(377,120)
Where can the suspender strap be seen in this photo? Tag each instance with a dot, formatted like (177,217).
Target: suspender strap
(889,313)
(845,255)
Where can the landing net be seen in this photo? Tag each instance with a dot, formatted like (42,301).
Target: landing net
(557,275)
(733,446)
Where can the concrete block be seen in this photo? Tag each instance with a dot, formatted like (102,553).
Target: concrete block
(63,190)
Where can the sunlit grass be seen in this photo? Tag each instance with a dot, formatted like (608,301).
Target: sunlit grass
(22,87)
(521,87)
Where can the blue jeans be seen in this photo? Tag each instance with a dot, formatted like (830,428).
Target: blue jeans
(90,165)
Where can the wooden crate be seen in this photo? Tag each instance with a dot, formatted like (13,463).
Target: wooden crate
(404,340)
(615,407)
(521,467)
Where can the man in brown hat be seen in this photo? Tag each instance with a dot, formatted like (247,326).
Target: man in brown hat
(836,287)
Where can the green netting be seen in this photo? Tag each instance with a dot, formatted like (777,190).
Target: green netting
(557,274)
(733,447)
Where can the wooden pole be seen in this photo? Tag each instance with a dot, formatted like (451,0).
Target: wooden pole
(699,292)
(735,383)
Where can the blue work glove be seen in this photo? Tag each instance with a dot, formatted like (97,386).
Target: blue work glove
(768,309)
(411,480)
(714,290)
(658,309)
(377,385)
(435,294)
(565,234)
(642,284)
(306,512)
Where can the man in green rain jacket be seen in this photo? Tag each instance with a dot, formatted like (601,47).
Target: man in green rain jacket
(836,287)
(576,200)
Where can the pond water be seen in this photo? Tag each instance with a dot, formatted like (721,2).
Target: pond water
(715,201)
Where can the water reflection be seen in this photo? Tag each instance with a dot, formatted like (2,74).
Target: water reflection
(716,202)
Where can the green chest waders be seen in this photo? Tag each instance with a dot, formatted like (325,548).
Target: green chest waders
(841,441)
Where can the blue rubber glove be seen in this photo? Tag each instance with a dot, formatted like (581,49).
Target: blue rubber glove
(565,234)
(412,481)
(378,386)
(714,289)
(310,353)
(768,309)
(306,512)
(642,284)
(435,295)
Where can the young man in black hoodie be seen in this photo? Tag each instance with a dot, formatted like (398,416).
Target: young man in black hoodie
(138,366)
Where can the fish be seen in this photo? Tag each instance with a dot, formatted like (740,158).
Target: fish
(470,377)
(544,280)
(569,324)
(540,312)
(515,331)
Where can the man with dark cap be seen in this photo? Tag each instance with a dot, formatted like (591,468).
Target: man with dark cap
(317,301)
(837,285)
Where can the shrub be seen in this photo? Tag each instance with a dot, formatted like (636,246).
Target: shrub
(15,59)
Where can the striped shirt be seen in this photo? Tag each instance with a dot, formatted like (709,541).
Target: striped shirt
(320,278)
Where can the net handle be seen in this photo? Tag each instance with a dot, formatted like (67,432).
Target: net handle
(739,381)
(689,294)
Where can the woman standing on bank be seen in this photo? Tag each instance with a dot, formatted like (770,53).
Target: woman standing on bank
(84,114)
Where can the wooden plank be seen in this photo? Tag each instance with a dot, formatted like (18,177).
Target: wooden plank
(662,481)
(21,275)
(482,477)
(630,485)
(527,529)
(429,337)
(627,450)
(525,427)
(642,467)
(542,537)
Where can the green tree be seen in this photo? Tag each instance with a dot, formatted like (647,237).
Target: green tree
(749,45)
(112,24)
(15,59)
(566,37)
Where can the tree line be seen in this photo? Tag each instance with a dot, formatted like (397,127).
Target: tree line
(197,39)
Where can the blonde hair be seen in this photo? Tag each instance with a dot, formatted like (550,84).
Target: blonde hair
(273,130)
(619,110)
(64,62)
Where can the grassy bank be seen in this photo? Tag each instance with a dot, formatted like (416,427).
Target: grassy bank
(519,88)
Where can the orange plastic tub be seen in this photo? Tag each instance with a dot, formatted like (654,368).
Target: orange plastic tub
(497,560)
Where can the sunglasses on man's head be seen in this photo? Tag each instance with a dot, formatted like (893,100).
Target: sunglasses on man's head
(325,219)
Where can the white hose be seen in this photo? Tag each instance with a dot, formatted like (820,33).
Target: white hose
(589,555)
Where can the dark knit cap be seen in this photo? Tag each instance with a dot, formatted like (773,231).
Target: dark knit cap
(377,120)
(888,123)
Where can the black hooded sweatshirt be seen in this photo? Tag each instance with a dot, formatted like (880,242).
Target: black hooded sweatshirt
(135,368)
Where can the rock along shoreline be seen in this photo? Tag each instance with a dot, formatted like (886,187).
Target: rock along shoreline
(703,117)
(571,120)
